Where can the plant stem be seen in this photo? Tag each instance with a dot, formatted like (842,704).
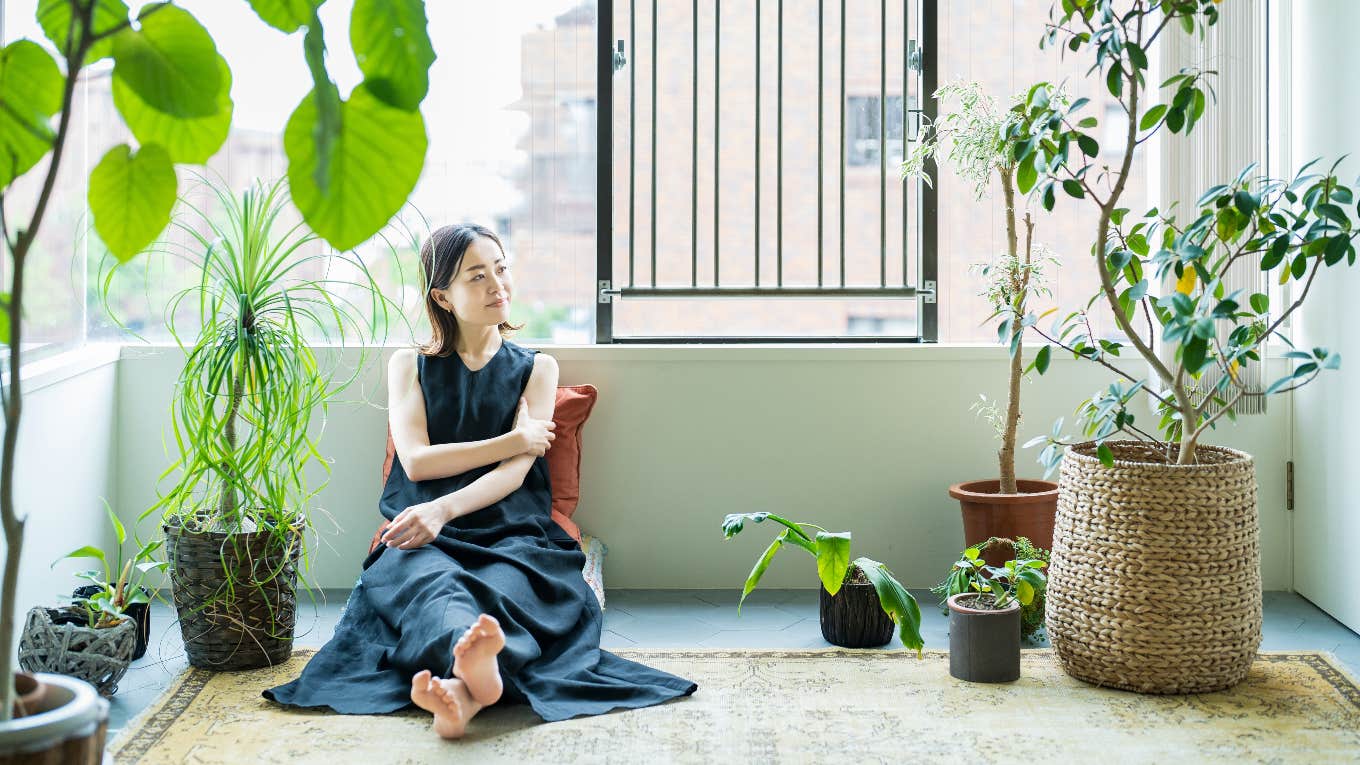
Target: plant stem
(13,525)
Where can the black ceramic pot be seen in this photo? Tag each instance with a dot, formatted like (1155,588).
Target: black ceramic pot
(854,618)
(138,612)
(984,644)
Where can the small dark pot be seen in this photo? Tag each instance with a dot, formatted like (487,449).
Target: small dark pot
(854,618)
(984,644)
(140,613)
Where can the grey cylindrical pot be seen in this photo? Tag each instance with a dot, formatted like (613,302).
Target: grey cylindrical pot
(984,645)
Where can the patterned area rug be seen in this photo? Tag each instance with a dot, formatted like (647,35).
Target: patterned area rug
(865,705)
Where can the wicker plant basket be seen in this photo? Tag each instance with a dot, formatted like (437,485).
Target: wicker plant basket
(98,656)
(247,623)
(1155,578)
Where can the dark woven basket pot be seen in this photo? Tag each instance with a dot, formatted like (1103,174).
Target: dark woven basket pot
(58,640)
(249,627)
(854,617)
(1155,579)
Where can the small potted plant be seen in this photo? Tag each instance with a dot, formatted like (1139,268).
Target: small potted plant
(958,581)
(984,615)
(982,147)
(125,596)
(861,600)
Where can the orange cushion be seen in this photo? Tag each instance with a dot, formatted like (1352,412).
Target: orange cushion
(572,408)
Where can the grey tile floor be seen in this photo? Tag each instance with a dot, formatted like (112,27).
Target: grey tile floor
(701,618)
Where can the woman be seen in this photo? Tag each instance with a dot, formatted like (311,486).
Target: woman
(476,594)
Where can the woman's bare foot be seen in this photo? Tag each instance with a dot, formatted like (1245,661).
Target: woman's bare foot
(448,700)
(474,659)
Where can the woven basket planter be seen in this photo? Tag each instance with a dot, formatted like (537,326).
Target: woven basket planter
(100,657)
(249,624)
(1155,578)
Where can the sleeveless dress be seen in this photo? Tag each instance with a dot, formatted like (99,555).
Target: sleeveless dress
(510,560)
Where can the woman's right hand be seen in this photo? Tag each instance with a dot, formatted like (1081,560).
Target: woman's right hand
(536,436)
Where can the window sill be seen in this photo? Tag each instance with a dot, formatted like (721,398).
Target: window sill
(44,373)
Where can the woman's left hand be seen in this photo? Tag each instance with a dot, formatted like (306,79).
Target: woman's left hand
(415,526)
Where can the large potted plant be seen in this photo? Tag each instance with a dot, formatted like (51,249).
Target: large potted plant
(243,415)
(982,149)
(861,600)
(1155,574)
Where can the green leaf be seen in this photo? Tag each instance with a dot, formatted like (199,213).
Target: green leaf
(1106,455)
(54,16)
(1073,188)
(131,197)
(1025,176)
(1041,359)
(1114,80)
(88,551)
(1246,201)
(392,45)
(31,88)
(1088,145)
(1260,303)
(192,140)
(119,532)
(171,62)
(377,156)
(285,15)
(833,559)
(896,602)
(1152,116)
(1334,214)
(760,567)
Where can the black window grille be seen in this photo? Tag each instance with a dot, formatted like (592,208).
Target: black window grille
(876,120)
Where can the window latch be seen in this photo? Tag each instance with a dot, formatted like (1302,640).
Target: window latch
(927,291)
(620,60)
(606,292)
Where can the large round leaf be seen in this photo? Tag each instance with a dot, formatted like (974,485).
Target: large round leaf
(285,15)
(171,62)
(392,45)
(131,196)
(54,16)
(190,140)
(375,159)
(30,93)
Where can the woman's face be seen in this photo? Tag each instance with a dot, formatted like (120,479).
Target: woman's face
(482,279)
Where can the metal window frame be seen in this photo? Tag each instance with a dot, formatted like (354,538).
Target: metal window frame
(609,59)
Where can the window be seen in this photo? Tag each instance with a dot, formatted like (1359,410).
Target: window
(862,134)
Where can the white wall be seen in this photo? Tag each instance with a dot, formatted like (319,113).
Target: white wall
(64,470)
(859,439)
(1326,108)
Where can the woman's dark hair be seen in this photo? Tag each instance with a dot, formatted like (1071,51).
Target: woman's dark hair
(440,257)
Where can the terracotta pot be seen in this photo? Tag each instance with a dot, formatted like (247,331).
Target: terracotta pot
(69,729)
(984,644)
(854,618)
(988,513)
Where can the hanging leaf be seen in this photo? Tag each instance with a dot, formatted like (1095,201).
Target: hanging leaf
(54,16)
(192,140)
(30,94)
(171,62)
(376,157)
(131,197)
(760,567)
(392,46)
(285,15)
(833,559)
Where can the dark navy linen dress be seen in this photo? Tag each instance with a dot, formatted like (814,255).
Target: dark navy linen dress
(510,560)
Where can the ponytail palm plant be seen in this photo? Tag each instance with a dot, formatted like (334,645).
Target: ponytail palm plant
(252,385)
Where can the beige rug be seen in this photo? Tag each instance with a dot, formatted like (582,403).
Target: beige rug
(837,705)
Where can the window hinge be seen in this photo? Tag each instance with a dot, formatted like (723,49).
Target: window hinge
(606,292)
(1289,485)
(927,292)
(914,55)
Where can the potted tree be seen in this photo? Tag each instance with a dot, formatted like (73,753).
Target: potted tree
(243,415)
(861,600)
(982,147)
(984,605)
(172,89)
(1159,511)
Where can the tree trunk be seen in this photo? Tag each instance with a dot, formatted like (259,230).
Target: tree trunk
(1006,456)
(230,510)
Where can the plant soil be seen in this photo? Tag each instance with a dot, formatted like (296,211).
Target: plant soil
(980,602)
